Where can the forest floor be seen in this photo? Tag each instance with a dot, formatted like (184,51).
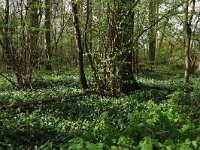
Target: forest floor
(163,114)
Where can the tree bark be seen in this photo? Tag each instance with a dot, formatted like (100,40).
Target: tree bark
(187,39)
(79,46)
(5,42)
(122,42)
(152,31)
(48,34)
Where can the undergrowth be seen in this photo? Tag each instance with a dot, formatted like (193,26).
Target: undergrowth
(164,114)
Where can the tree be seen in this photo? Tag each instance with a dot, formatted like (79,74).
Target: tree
(124,42)
(19,38)
(60,24)
(79,43)
(152,32)
(187,36)
(48,33)
(35,15)
(114,63)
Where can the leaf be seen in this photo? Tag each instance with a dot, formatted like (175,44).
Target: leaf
(194,143)
(146,144)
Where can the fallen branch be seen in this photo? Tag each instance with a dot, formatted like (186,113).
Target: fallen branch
(9,80)
(45,101)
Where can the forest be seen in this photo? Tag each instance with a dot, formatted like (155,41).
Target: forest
(99,74)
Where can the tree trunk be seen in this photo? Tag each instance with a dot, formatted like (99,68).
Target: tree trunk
(19,51)
(128,82)
(79,46)
(192,64)
(122,43)
(187,39)
(5,42)
(48,34)
(152,31)
(34,33)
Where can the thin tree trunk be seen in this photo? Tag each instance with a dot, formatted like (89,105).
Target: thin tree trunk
(187,60)
(88,47)
(152,31)
(187,39)
(79,46)
(5,42)
(48,33)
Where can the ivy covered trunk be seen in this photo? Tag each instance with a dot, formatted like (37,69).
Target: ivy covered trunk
(128,50)
(119,68)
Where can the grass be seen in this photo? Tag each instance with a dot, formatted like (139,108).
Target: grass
(164,114)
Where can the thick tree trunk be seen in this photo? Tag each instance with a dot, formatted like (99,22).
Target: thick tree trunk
(79,46)
(128,82)
(124,43)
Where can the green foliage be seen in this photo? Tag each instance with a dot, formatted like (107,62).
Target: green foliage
(159,116)
(4,84)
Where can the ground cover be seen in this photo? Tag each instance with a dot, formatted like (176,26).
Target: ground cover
(162,114)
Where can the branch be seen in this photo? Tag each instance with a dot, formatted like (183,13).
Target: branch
(155,23)
(9,80)
(45,101)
